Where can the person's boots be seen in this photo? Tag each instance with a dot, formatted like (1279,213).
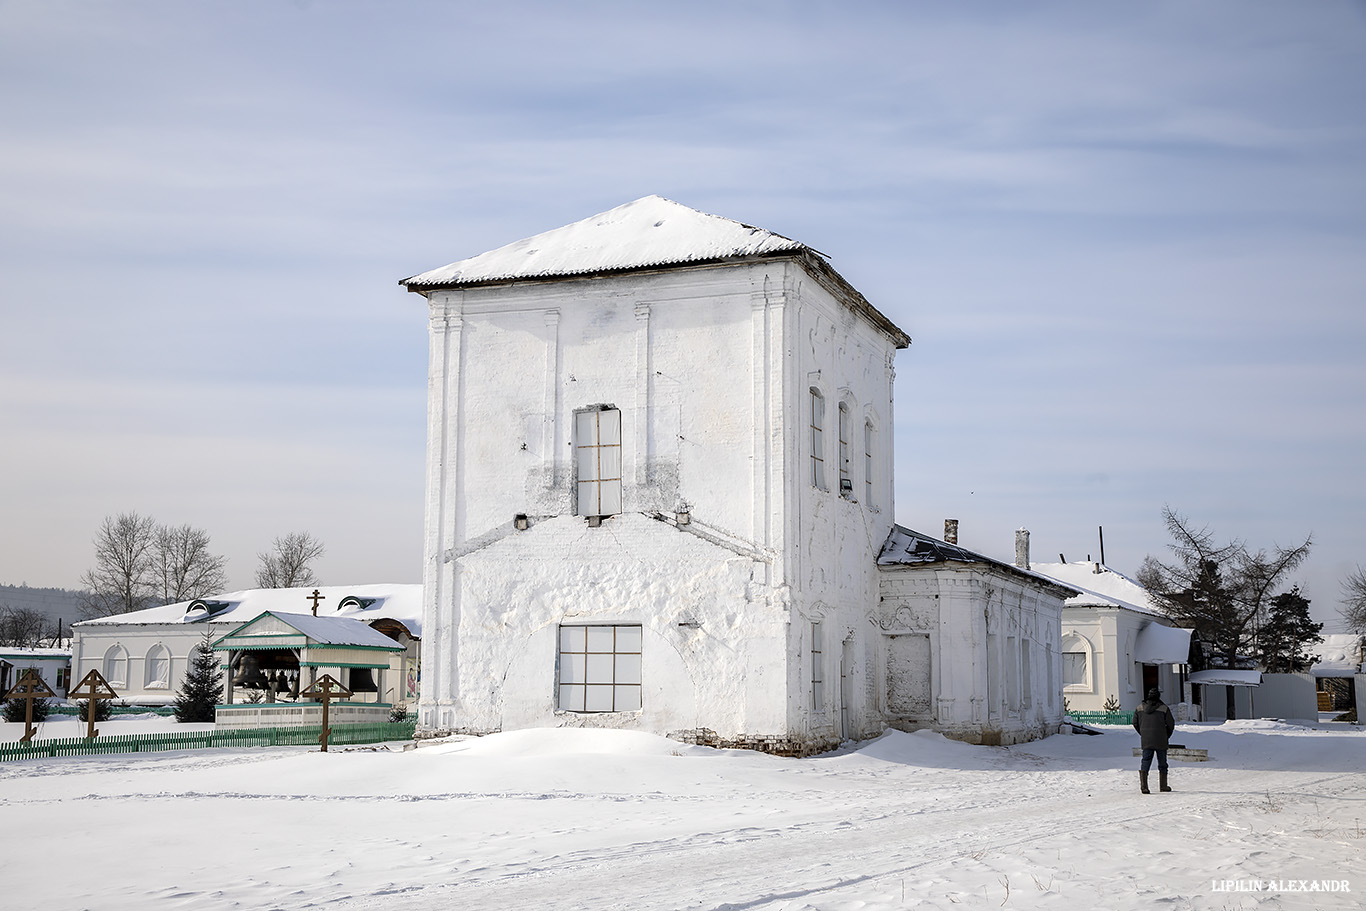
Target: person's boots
(1143,782)
(1162,780)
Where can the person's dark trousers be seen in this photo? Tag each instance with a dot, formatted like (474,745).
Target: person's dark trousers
(1147,763)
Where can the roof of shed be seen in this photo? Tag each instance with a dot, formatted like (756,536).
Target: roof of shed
(1339,655)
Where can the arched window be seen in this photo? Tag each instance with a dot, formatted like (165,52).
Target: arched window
(116,666)
(846,482)
(1077,660)
(157,669)
(868,463)
(817,443)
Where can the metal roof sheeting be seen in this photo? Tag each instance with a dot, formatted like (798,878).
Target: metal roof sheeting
(651,231)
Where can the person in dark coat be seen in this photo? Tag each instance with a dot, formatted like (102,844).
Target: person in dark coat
(1154,723)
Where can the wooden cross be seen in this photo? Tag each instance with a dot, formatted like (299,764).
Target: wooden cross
(92,687)
(325,689)
(315,598)
(29,688)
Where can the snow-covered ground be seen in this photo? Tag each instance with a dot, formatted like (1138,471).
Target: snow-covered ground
(569,818)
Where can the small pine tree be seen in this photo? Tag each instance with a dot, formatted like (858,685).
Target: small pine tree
(15,709)
(202,688)
(103,709)
(1288,635)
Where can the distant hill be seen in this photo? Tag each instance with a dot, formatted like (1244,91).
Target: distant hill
(53,603)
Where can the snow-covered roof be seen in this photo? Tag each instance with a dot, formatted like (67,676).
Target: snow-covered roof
(1105,588)
(1158,644)
(42,654)
(1340,655)
(905,547)
(399,601)
(338,631)
(651,231)
(1225,677)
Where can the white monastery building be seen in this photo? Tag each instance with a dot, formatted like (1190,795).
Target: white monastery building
(658,485)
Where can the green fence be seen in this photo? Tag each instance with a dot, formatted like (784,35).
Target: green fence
(342,734)
(1102,717)
(118,709)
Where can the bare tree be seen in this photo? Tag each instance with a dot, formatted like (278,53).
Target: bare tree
(1353,609)
(288,565)
(184,567)
(22,627)
(1220,590)
(122,578)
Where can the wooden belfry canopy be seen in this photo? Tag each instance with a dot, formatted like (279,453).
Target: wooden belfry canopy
(284,655)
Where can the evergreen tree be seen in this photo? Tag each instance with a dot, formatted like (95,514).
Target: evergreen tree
(1288,632)
(202,688)
(15,710)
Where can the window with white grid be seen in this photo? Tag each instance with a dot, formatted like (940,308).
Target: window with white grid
(597,455)
(599,668)
(817,443)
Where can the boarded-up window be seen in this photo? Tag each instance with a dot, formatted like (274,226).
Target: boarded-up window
(908,675)
(868,464)
(158,669)
(599,668)
(846,481)
(1074,669)
(817,673)
(1026,673)
(116,666)
(597,453)
(1012,680)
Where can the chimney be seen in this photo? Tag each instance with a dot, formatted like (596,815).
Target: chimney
(1022,548)
(950,531)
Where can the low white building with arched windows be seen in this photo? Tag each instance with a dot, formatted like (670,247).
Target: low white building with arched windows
(144,654)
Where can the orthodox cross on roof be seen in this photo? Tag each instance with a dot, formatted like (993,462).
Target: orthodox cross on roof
(315,598)
(29,687)
(325,689)
(92,687)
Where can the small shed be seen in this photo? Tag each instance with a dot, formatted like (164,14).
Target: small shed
(52,664)
(271,658)
(1341,657)
(1242,681)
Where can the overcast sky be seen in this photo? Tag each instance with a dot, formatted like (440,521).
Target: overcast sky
(1128,240)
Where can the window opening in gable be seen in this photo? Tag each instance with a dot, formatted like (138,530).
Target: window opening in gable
(597,453)
(600,668)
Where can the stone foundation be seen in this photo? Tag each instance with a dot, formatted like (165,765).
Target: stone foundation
(774,744)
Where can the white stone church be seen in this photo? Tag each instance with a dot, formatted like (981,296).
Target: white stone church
(659,497)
